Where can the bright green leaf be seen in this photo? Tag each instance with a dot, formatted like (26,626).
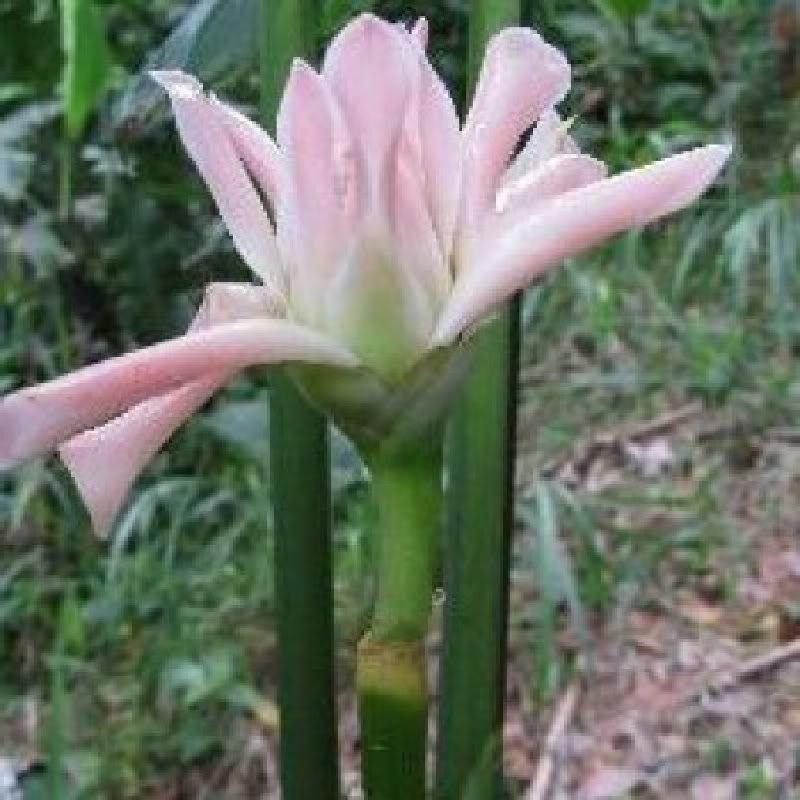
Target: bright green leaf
(628,8)
(87,63)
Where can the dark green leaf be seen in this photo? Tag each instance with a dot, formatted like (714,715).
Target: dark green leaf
(16,161)
(215,38)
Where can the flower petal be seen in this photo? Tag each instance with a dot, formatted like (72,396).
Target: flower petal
(234,302)
(255,147)
(105,461)
(552,178)
(210,147)
(572,223)
(522,76)
(321,204)
(381,310)
(420,32)
(440,150)
(35,421)
(370,69)
(549,138)
(417,249)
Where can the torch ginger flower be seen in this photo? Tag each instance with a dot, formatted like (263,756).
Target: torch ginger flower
(381,232)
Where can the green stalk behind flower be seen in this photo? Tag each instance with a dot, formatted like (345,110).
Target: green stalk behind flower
(300,469)
(477,548)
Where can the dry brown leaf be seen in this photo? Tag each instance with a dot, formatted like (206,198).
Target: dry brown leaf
(609,783)
(714,787)
(695,610)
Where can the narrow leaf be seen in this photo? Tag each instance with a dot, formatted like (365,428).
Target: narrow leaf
(87,65)
(627,9)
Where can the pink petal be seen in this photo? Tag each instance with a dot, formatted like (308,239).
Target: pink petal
(255,148)
(549,138)
(234,302)
(440,145)
(319,212)
(522,76)
(104,462)
(572,223)
(35,421)
(416,248)
(319,151)
(554,177)
(370,69)
(420,33)
(419,243)
(209,145)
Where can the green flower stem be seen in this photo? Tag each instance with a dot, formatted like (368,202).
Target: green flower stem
(391,668)
(393,717)
(301,497)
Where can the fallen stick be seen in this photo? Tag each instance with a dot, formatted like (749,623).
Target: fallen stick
(565,710)
(664,422)
(766,661)
(750,669)
(611,438)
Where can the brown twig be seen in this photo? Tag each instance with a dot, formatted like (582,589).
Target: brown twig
(750,669)
(565,710)
(627,432)
(664,422)
(766,661)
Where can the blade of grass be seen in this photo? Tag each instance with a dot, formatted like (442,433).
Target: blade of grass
(56,732)
(556,583)
(301,496)
(477,548)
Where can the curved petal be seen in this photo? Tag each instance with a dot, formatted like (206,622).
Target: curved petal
(549,138)
(319,154)
(440,149)
(417,248)
(234,302)
(522,76)
(370,69)
(104,462)
(255,147)
(35,421)
(318,214)
(207,141)
(552,178)
(420,31)
(571,224)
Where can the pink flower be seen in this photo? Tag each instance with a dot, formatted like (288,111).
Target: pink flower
(381,232)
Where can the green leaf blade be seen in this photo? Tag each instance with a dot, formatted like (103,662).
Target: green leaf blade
(87,62)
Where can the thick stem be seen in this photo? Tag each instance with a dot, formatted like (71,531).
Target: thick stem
(391,670)
(477,550)
(301,482)
(393,717)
